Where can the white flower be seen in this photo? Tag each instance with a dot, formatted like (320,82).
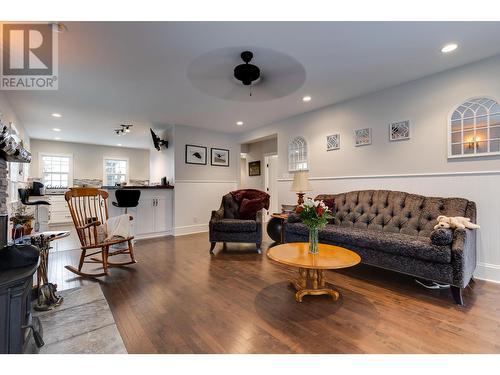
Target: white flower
(322,204)
(308,203)
(316,203)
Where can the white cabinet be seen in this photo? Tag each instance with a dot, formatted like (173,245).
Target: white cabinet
(55,213)
(58,210)
(153,217)
(163,214)
(43,212)
(145,217)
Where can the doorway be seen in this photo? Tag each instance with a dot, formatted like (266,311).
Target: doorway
(270,184)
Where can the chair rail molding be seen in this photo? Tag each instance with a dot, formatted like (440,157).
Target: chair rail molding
(205,182)
(403,175)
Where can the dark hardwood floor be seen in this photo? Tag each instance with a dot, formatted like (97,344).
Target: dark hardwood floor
(179,299)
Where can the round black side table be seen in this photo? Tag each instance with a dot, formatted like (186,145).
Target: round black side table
(276,227)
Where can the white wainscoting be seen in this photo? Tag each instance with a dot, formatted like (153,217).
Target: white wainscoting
(480,187)
(194,202)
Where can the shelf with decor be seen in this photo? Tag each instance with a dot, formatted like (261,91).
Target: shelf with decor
(11,147)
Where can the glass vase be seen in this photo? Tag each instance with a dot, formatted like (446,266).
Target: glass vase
(313,240)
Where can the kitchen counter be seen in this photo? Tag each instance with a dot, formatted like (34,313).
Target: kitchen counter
(153,216)
(138,187)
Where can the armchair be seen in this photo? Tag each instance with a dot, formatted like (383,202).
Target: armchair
(227,224)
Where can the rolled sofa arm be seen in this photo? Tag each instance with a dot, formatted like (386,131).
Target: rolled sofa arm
(463,256)
(294,218)
(217,215)
(258,217)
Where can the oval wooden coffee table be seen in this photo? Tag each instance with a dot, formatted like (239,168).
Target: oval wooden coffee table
(311,279)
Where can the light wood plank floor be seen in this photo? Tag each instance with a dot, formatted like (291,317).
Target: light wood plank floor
(179,299)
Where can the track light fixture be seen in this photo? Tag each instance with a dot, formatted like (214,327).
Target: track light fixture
(125,128)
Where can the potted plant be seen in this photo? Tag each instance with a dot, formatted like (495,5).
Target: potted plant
(315,215)
(21,218)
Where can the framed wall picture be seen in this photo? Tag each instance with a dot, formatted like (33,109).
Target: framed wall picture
(332,142)
(196,154)
(399,131)
(254,168)
(363,137)
(219,157)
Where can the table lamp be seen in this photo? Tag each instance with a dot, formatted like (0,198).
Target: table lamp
(301,184)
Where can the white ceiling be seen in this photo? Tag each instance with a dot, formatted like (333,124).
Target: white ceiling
(136,72)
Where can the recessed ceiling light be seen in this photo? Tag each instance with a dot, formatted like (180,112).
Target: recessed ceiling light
(57,138)
(239,123)
(450,47)
(56,115)
(56,129)
(119,144)
(306,98)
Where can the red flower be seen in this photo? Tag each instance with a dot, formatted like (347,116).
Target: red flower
(299,209)
(320,210)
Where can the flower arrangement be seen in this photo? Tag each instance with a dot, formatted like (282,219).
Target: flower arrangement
(21,216)
(315,215)
(21,221)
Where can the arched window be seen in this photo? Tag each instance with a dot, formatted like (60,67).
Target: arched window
(474,129)
(297,154)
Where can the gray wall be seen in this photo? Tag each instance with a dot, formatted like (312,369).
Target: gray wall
(189,135)
(427,103)
(161,163)
(88,159)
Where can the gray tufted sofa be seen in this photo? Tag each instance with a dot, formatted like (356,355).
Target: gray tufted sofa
(226,226)
(393,230)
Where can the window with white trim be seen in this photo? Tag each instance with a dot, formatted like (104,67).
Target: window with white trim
(297,154)
(57,170)
(115,171)
(474,129)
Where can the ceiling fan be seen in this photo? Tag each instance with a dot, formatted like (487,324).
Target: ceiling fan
(269,74)
(247,73)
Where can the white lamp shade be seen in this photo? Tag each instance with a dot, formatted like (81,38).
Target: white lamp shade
(300,182)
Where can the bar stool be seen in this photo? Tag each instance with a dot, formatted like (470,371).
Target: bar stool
(127,198)
(24,197)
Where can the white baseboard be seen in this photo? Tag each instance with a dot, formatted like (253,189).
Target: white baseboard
(190,229)
(487,272)
(153,235)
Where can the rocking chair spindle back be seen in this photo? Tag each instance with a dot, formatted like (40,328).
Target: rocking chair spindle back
(89,211)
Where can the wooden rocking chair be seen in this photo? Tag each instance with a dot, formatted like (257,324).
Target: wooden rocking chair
(88,207)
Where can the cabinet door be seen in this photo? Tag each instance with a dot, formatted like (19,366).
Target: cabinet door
(163,215)
(145,217)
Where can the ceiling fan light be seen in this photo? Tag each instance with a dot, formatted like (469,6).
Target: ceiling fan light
(247,73)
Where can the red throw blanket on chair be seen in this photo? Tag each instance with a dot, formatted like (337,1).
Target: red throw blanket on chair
(250,201)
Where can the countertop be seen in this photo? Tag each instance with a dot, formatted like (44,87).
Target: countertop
(138,187)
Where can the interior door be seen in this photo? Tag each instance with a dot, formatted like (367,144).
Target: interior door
(270,176)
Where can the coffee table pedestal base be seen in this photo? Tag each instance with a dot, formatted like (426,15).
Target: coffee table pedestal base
(312,282)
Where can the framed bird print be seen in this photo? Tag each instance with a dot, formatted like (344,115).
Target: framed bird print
(196,155)
(219,157)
